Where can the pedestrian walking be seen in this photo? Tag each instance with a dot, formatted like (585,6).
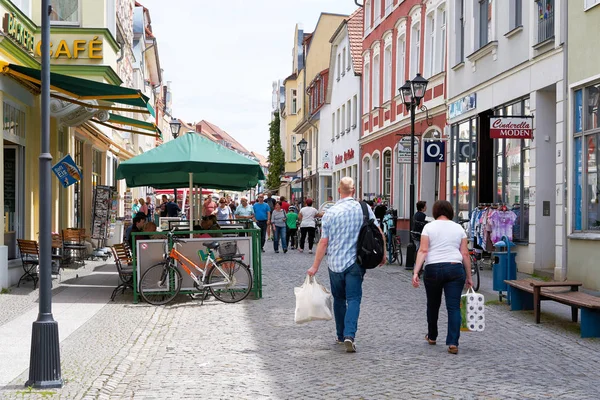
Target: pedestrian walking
(419,222)
(271,202)
(262,213)
(150,205)
(284,204)
(341,226)
(278,219)
(308,225)
(445,256)
(292,227)
(223,212)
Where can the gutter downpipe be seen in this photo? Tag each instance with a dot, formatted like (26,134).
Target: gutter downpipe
(566,126)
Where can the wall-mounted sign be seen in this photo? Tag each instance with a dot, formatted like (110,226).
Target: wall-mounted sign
(511,128)
(467,151)
(462,106)
(74,49)
(326,160)
(404,150)
(66,171)
(15,28)
(434,151)
(348,155)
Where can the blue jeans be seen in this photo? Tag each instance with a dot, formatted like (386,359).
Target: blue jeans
(279,233)
(346,288)
(449,278)
(263,232)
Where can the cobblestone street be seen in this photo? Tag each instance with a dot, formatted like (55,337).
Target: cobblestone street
(254,350)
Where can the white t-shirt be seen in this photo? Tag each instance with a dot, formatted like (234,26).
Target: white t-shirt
(308,217)
(444,241)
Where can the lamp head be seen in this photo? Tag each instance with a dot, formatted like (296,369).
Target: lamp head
(175,127)
(406,94)
(419,87)
(302,146)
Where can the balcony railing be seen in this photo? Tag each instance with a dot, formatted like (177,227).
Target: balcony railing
(545,26)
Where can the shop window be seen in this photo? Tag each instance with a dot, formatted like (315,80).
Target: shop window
(463,145)
(387,174)
(366,178)
(65,12)
(586,211)
(96,168)
(376,179)
(545,20)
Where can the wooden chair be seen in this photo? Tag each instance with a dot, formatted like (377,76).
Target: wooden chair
(74,244)
(58,255)
(30,257)
(123,262)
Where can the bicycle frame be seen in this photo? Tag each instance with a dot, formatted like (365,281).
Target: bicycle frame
(187,266)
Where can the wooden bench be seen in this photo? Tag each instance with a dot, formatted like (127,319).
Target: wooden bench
(527,294)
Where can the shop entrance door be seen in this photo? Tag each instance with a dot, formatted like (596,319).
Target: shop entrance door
(13,198)
(430,176)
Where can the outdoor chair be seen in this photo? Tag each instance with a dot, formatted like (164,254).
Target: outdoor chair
(30,257)
(123,262)
(58,255)
(74,246)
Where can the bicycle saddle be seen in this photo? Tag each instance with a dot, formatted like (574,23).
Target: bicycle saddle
(211,245)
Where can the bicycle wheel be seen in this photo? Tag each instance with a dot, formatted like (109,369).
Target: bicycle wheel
(399,256)
(392,253)
(475,273)
(160,284)
(317,234)
(239,285)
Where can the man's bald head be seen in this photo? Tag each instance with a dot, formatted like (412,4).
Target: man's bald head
(346,186)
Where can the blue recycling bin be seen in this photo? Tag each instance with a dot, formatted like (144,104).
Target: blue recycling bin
(505,264)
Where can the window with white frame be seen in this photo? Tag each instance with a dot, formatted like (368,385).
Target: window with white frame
(586,206)
(415,50)
(349,61)
(23,5)
(388,6)
(344,61)
(366,86)
(376,80)
(333,126)
(355,109)
(459,24)
(366,179)
(387,72)
(348,116)
(376,10)
(294,102)
(337,126)
(367,15)
(484,23)
(339,66)
(590,3)
(343,119)
(515,14)
(65,12)
(376,175)
(545,20)
(440,43)
(430,45)
(387,175)
(294,156)
(400,60)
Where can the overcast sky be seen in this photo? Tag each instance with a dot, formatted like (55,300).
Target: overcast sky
(222,57)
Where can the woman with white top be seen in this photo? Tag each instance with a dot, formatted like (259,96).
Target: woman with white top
(308,225)
(223,212)
(445,255)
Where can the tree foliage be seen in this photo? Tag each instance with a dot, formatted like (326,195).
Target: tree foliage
(276,155)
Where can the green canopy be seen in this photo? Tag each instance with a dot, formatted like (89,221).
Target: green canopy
(81,89)
(169,165)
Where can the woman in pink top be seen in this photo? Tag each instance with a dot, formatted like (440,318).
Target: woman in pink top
(209,206)
(143,207)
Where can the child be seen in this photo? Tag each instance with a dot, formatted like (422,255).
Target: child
(292,227)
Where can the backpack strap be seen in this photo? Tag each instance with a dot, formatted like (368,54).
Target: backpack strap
(365,211)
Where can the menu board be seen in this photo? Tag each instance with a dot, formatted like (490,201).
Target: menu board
(102,209)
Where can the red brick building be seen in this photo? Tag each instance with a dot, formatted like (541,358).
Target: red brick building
(402,38)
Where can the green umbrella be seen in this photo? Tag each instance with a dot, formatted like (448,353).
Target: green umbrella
(191,159)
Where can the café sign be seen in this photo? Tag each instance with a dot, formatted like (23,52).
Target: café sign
(511,128)
(18,31)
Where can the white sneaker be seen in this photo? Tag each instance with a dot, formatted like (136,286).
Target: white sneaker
(350,346)
(310,252)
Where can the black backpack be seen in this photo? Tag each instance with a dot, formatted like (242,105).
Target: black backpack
(370,248)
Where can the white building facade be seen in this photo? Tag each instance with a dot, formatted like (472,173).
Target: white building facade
(506,59)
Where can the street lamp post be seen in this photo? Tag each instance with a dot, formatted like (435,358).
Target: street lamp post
(412,92)
(302,148)
(175,127)
(44,361)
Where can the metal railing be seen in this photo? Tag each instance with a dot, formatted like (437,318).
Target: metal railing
(546,27)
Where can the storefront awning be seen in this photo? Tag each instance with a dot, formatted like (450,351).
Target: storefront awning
(119,119)
(78,89)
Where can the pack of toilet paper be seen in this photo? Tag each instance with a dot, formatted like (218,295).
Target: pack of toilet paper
(474,313)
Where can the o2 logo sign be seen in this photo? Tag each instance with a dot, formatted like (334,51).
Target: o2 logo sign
(435,151)
(467,151)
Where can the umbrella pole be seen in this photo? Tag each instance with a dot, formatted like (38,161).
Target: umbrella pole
(191,202)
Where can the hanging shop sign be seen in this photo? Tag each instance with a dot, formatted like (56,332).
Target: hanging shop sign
(15,28)
(66,171)
(326,160)
(461,106)
(348,155)
(511,128)
(404,150)
(434,151)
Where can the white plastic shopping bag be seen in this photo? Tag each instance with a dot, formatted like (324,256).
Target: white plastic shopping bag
(313,302)
(472,309)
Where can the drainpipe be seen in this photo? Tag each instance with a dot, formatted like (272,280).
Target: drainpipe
(566,127)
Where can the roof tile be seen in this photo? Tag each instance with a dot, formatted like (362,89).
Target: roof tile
(355,36)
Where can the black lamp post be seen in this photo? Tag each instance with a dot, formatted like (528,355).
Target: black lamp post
(175,127)
(412,92)
(44,361)
(302,148)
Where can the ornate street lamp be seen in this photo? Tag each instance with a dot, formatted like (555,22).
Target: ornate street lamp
(302,148)
(175,127)
(412,93)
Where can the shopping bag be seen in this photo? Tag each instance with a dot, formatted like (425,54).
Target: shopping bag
(313,302)
(472,311)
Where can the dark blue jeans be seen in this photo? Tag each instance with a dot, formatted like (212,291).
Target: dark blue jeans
(346,288)
(263,232)
(279,235)
(450,279)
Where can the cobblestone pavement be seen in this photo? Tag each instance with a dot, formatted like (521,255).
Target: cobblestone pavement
(253,349)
